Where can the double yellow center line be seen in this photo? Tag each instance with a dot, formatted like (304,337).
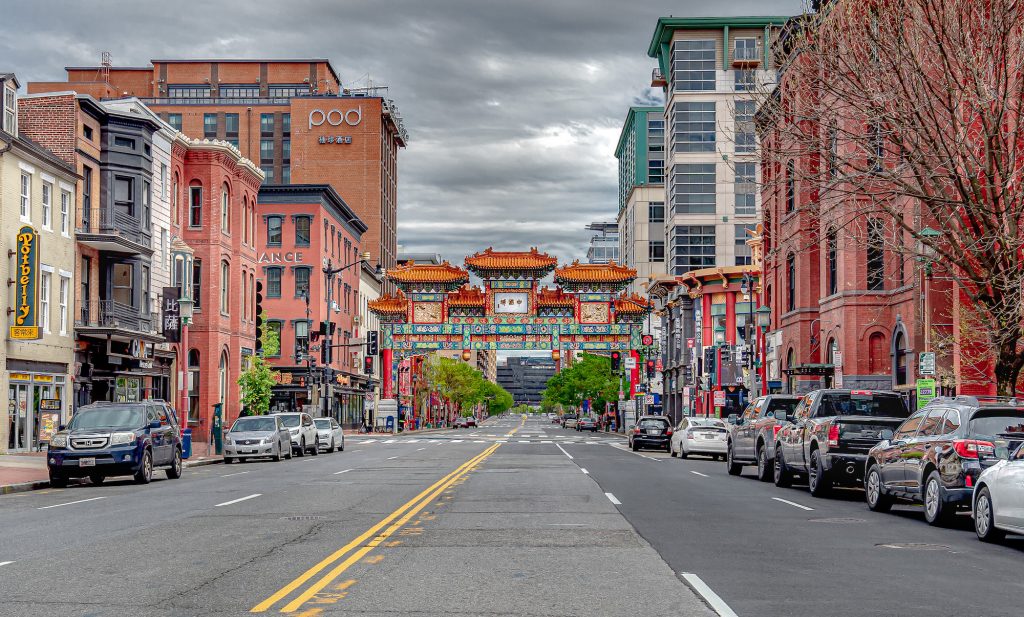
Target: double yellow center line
(366,542)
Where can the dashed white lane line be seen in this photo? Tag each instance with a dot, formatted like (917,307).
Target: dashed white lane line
(418,449)
(697,473)
(793,503)
(547,441)
(563,451)
(456,441)
(612,499)
(524,441)
(584,470)
(391,458)
(342,471)
(412,441)
(68,503)
(240,499)
(389,441)
(716,603)
(237,473)
(479,441)
(5,563)
(369,441)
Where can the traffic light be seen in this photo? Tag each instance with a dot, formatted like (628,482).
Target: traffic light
(259,318)
(650,369)
(616,360)
(368,365)
(325,354)
(372,348)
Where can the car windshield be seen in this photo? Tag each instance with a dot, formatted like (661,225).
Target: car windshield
(322,423)
(862,404)
(253,424)
(115,416)
(290,421)
(652,423)
(708,424)
(1001,423)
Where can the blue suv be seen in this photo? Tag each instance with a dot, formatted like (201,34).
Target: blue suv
(116,439)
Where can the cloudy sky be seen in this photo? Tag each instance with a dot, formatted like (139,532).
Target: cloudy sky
(513,106)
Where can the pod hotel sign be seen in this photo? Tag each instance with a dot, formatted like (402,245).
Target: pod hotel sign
(26,285)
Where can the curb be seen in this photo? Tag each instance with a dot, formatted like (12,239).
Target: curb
(22,487)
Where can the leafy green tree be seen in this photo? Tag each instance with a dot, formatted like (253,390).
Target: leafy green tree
(589,378)
(466,387)
(256,383)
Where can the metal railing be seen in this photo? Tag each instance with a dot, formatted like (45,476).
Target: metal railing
(116,223)
(748,54)
(113,314)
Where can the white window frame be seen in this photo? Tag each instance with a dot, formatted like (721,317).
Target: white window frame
(63,294)
(10,109)
(26,197)
(47,202)
(225,287)
(45,278)
(65,212)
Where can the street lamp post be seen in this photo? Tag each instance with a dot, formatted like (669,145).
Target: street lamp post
(182,257)
(747,288)
(764,319)
(719,342)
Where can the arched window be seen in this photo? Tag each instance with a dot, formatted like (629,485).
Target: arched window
(223,374)
(876,255)
(790,282)
(193,385)
(790,377)
(225,285)
(245,295)
(877,364)
(245,221)
(832,353)
(195,204)
(899,359)
(252,300)
(225,209)
(790,187)
(175,200)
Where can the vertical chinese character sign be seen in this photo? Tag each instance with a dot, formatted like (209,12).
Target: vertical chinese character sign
(26,285)
(171,317)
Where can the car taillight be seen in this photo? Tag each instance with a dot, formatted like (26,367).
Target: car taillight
(636,431)
(668,432)
(968,481)
(973,448)
(776,429)
(833,435)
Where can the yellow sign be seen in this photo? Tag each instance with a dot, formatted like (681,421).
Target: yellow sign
(26,285)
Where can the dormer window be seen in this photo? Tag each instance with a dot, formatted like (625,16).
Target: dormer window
(10,109)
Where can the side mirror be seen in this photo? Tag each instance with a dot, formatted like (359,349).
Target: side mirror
(734,419)
(886,434)
(154,424)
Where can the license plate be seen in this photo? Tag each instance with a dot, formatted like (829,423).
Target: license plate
(86,462)
(653,432)
(247,451)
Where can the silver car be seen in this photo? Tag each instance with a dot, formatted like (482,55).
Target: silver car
(256,437)
(304,435)
(999,499)
(330,434)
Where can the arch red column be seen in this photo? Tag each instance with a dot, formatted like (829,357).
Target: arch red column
(387,388)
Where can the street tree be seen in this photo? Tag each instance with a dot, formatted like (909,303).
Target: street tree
(904,118)
(590,377)
(256,383)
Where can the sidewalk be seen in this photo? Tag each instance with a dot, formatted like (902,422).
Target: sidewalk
(27,471)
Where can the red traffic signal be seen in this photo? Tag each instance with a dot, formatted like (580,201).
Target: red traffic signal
(368,365)
(650,368)
(616,360)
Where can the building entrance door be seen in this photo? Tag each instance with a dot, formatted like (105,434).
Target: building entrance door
(23,408)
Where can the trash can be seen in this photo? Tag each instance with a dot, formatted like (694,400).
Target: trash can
(186,443)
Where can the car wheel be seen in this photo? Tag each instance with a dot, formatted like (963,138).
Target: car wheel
(877,500)
(341,448)
(635,446)
(174,471)
(332,448)
(817,478)
(302,448)
(936,512)
(764,470)
(58,481)
(96,478)
(288,453)
(145,472)
(984,518)
(228,460)
(671,450)
(732,467)
(316,447)
(279,454)
(782,477)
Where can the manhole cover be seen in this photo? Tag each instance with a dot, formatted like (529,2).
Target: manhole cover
(303,518)
(915,546)
(837,519)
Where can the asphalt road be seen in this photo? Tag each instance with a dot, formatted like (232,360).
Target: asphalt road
(492,521)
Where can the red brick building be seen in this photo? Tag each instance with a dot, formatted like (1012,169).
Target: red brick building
(293,117)
(300,229)
(213,211)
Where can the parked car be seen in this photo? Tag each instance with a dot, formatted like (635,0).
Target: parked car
(257,437)
(470,421)
(556,419)
(586,423)
(332,437)
(459,422)
(116,439)
(999,499)
(751,439)
(569,420)
(699,436)
(304,434)
(653,432)
(936,457)
(828,437)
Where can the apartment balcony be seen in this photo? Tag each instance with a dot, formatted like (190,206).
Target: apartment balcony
(113,231)
(747,57)
(109,318)
(658,79)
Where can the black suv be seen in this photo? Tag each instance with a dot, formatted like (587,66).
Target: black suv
(937,454)
(116,439)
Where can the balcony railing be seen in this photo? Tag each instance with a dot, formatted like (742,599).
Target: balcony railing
(113,314)
(103,221)
(259,100)
(748,54)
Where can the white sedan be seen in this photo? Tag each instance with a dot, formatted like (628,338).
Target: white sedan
(330,433)
(700,436)
(999,499)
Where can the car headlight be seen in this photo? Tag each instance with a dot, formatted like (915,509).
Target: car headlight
(294,431)
(120,439)
(59,441)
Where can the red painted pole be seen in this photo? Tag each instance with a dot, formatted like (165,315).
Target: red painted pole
(385,374)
